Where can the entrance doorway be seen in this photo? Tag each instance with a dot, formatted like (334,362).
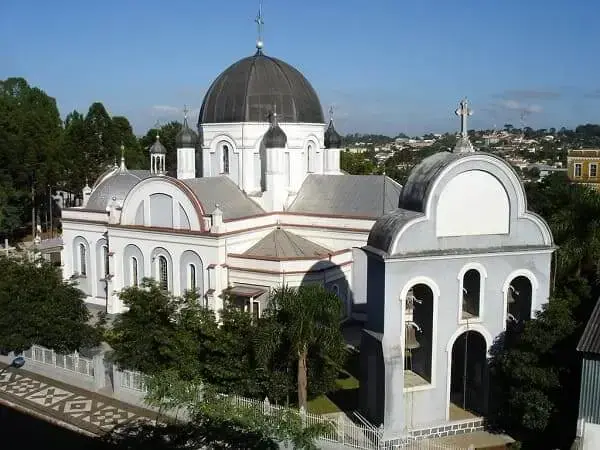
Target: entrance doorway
(468,373)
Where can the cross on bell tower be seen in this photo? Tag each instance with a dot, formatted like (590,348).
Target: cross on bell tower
(463,112)
(463,144)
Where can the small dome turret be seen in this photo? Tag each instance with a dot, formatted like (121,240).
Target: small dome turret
(332,137)
(186,138)
(275,137)
(157,148)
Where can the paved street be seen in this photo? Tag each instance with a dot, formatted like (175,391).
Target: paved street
(82,409)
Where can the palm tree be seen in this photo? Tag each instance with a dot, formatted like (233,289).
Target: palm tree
(305,319)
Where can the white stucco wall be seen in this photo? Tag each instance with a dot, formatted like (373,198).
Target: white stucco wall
(591,436)
(244,141)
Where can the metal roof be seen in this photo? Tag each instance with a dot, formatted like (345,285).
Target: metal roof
(116,185)
(347,195)
(213,191)
(251,88)
(246,291)
(387,227)
(415,191)
(275,137)
(281,244)
(332,137)
(157,148)
(590,339)
(186,138)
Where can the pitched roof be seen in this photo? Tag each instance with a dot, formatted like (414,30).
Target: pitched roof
(347,195)
(281,244)
(224,192)
(590,339)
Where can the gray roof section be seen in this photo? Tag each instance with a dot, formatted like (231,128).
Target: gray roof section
(590,339)
(213,191)
(415,191)
(347,195)
(253,87)
(281,244)
(387,227)
(116,185)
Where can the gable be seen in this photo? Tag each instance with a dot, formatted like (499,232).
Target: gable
(162,203)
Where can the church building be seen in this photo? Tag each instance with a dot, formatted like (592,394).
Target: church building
(439,268)
(259,201)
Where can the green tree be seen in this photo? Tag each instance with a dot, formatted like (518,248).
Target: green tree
(30,133)
(102,146)
(356,163)
(161,332)
(75,161)
(305,320)
(38,307)
(134,156)
(144,337)
(12,213)
(532,372)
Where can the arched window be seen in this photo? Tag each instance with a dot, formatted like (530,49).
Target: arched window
(105,262)
(192,277)
(225,150)
(135,280)
(163,273)
(471,294)
(309,158)
(82,260)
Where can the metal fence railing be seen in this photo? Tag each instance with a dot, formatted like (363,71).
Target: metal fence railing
(73,362)
(341,429)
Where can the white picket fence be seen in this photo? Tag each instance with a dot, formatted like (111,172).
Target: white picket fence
(73,362)
(341,430)
(132,380)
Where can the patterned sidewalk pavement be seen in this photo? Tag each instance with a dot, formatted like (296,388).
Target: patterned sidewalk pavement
(88,411)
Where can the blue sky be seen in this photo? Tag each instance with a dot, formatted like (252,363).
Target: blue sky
(388,66)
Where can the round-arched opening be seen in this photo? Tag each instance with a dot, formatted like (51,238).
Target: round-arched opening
(225,159)
(163,273)
(471,293)
(418,343)
(469,375)
(519,300)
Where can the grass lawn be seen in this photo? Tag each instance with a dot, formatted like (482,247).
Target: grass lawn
(345,397)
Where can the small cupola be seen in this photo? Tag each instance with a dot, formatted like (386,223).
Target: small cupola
(332,137)
(275,137)
(186,138)
(157,148)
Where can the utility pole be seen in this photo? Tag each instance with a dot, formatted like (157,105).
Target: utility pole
(50,209)
(32,205)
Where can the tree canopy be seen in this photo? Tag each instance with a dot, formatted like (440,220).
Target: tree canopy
(38,307)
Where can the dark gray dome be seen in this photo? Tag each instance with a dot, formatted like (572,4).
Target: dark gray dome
(251,88)
(332,137)
(186,138)
(275,137)
(157,147)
